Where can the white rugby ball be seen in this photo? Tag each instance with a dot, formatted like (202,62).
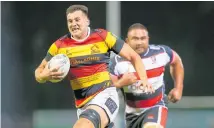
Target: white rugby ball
(63,62)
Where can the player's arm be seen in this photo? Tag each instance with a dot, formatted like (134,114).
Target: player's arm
(177,73)
(124,50)
(39,71)
(42,72)
(114,80)
(120,80)
(124,80)
(128,53)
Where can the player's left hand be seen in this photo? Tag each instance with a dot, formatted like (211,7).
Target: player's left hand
(147,86)
(175,95)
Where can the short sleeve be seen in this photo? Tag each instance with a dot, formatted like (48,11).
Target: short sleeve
(169,52)
(52,51)
(112,41)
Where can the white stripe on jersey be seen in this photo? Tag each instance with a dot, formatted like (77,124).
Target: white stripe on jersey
(156,82)
(161,59)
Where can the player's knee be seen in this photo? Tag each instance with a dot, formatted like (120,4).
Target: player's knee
(83,123)
(152,125)
(93,116)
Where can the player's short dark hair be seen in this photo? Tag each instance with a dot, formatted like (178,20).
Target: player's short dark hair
(137,26)
(74,8)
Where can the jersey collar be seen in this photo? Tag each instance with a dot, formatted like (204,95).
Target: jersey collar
(145,53)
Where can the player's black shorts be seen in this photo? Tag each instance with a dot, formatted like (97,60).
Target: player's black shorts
(156,114)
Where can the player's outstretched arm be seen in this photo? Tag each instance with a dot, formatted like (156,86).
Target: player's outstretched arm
(128,53)
(126,79)
(43,73)
(177,73)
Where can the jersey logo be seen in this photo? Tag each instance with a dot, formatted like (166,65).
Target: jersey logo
(111,105)
(95,49)
(151,116)
(68,52)
(153,58)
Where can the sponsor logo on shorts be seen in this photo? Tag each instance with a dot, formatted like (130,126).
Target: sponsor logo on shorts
(111,105)
(150,116)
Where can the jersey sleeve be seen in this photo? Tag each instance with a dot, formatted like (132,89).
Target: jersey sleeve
(113,42)
(52,51)
(169,52)
(112,66)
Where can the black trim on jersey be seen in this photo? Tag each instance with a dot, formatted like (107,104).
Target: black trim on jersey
(48,57)
(85,92)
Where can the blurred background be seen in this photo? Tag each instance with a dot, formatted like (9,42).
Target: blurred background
(29,28)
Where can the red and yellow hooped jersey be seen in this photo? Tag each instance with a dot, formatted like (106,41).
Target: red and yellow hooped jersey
(89,73)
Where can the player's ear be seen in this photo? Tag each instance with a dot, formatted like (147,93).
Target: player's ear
(127,40)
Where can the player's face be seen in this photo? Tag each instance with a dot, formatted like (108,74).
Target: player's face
(78,24)
(138,39)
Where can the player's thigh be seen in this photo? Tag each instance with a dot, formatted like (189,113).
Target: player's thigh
(108,100)
(155,117)
(104,107)
(152,125)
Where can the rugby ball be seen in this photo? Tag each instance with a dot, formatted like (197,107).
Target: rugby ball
(63,62)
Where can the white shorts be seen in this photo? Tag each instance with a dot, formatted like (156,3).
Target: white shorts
(106,99)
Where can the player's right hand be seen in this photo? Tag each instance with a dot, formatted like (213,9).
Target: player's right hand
(50,74)
(128,78)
